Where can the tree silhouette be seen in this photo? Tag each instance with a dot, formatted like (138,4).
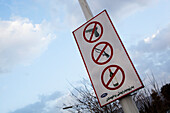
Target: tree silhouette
(147,100)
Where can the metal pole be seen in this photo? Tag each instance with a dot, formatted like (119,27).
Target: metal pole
(127,103)
(86,10)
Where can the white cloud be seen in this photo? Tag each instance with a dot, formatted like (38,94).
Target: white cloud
(21,42)
(42,106)
(119,9)
(55,102)
(149,39)
(52,103)
(152,55)
(58,104)
(68,13)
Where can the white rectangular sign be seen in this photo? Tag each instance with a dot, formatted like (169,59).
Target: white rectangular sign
(108,64)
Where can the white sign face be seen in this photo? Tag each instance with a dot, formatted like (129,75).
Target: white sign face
(108,64)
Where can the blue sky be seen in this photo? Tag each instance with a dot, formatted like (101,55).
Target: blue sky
(39,57)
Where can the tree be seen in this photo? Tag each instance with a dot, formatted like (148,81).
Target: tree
(147,100)
(165,91)
(87,102)
(153,100)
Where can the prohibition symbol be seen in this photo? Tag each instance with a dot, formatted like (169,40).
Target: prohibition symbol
(102,53)
(93,32)
(113,77)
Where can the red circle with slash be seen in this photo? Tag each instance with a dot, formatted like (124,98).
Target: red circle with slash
(102,53)
(106,84)
(91,38)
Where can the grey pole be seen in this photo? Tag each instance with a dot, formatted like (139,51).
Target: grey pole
(86,10)
(127,103)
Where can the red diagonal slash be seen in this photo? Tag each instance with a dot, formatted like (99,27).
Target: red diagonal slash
(101,53)
(93,32)
(113,75)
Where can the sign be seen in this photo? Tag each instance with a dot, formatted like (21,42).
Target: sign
(107,62)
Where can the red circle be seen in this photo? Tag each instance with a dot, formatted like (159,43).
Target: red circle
(97,60)
(90,40)
(107,84)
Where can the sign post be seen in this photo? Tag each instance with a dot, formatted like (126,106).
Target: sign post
(86,10)
(104,58)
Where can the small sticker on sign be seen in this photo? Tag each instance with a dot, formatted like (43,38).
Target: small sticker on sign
(103,95)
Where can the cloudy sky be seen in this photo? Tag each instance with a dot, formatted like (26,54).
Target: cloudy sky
(39,57)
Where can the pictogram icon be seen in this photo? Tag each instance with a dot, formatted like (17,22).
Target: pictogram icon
(113,77)
(102,53)
(93,32)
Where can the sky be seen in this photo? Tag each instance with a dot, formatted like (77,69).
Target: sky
(39,58)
